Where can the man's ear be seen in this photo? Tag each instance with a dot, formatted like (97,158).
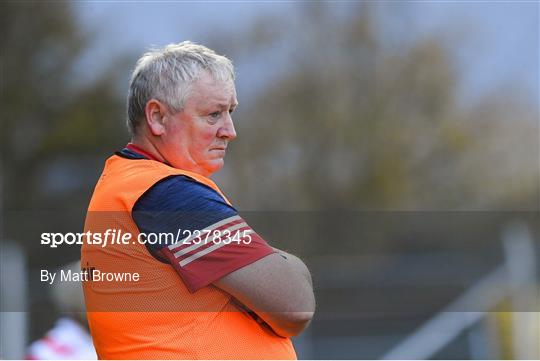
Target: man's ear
(155,116)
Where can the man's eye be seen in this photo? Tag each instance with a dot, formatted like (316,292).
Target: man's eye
(213,117)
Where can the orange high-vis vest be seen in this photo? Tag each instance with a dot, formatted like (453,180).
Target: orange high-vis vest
(156,317)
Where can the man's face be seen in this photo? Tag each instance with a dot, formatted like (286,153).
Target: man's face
(196,138)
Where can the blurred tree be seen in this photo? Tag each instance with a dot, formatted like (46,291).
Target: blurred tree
(54,133)
(348,121)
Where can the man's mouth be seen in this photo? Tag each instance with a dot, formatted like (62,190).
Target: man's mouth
(220,152)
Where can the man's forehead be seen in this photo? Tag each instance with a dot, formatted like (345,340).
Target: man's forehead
(208,89)
(208,80)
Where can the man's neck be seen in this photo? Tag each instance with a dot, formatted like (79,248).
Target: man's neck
(146,148)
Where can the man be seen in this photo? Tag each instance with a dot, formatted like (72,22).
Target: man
(218,291)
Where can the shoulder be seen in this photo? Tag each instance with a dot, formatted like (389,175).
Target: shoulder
(180,201)
(179,193)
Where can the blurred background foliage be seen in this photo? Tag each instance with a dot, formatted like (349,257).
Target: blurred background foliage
(53,129)
(346,121)
(352,123)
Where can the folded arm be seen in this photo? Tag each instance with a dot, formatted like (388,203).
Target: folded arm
(278,288)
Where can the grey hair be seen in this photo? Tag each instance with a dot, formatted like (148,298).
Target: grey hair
(166,74)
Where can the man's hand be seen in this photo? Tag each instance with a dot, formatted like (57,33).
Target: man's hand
(278,288)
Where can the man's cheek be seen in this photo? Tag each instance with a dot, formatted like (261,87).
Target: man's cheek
(209,136)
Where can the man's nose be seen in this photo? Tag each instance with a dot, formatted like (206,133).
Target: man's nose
(227,130)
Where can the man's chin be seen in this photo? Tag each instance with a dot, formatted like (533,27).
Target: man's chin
(214,165)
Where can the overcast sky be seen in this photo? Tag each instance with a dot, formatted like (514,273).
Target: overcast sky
(502,37)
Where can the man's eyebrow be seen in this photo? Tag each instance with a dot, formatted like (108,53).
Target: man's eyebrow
(223,106)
